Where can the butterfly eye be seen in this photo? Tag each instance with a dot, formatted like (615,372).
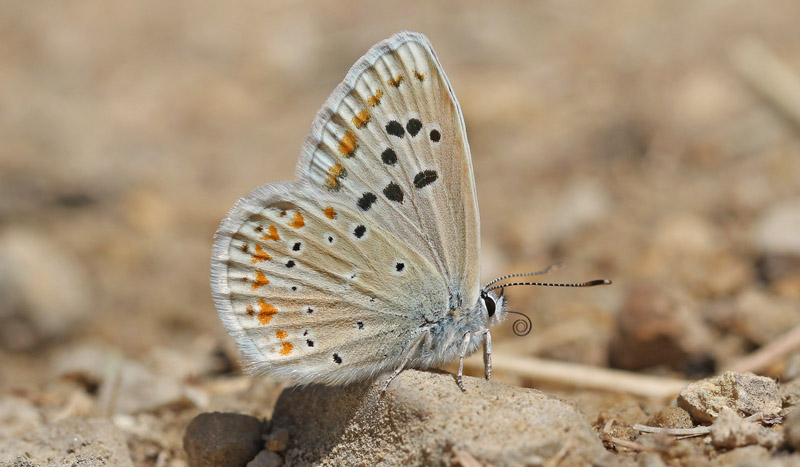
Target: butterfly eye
(489,303)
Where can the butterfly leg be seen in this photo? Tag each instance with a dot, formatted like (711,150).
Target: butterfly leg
(464,347)
(487,354)
(411,349)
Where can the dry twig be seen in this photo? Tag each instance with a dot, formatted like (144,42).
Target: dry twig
(765,357)
(583,376)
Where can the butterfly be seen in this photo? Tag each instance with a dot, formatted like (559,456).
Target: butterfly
(370,262)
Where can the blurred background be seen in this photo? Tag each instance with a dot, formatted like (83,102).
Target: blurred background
(652,143)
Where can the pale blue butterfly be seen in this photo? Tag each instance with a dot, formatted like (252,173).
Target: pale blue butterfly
(370,262)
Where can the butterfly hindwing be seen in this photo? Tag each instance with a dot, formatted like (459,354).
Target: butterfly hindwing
(301,277)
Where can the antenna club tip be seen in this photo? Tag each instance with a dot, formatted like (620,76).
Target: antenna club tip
(598,282)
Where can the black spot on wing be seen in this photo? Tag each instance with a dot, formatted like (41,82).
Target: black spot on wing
(435,136)
(395,128)
(389,157)
(366,200)
(337,359)
(426,177)
(393,192)
(359,231)
(413,126)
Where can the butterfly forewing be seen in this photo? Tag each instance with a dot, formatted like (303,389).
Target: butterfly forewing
(332,278)
(390,141)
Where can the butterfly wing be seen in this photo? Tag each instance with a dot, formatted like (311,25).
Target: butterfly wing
(390,141)
(332,278)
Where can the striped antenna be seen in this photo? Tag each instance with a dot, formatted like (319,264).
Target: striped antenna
(546,270)
(548,284)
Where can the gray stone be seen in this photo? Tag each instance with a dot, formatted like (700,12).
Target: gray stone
(75,441)
(423,418)
(222,439)
(746,393)
(266,459)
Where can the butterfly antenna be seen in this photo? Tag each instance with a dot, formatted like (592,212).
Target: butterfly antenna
(548,284)
(546,270)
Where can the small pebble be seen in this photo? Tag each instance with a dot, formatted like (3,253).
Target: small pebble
(266,459)
(670,417)
(222,439)
(278,440)
(746,393)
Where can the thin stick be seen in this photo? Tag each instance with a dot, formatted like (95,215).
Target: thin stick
(583,376)
(765,357)
(696,431)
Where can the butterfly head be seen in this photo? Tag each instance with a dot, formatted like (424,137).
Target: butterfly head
(493,307)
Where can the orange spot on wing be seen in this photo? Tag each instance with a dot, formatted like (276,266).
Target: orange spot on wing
(395,81)
(272,234)
(260,255)
(329,213)
(265,311)
(281,334)
(335,174)
(347,145)
(286,348)
(361,119)
(261,280)
(375,99)
(419,76)
(298,221)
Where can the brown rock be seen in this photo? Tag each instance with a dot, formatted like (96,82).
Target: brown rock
(746,393)
(670,417)
(278,440)
(222,439)
(657,327)
(423,418)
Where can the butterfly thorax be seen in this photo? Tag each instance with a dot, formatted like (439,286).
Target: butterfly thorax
(442,340)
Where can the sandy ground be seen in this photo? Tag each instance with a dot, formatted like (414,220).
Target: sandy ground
(652,143)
